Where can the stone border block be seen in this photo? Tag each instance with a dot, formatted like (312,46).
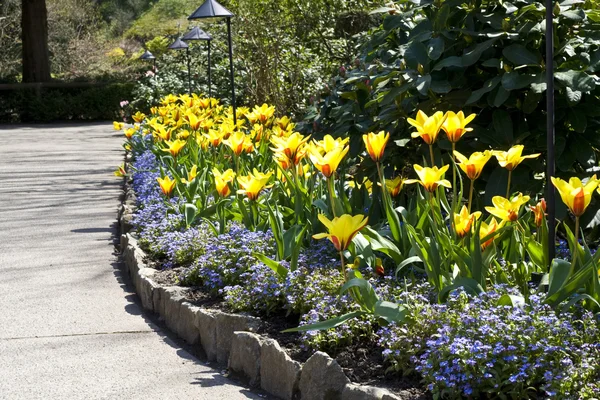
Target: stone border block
(359,392)
(322,378)
(186,327)
(245,356)
(279,374)
(226,325)
(206,323)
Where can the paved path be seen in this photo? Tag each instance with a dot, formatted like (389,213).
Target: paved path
(69,328)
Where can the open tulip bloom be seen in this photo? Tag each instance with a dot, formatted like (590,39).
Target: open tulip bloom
(511,159)
(430,177)
(428,128)
(375,144)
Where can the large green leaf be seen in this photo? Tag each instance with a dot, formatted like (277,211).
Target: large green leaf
(519,55)
(576,80)
(559,273)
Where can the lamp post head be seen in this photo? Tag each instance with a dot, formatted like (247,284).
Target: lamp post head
(147,56)
(178,45)
(196,34)
(211,9)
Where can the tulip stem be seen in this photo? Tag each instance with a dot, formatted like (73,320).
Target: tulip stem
(237,165)
(471,195)
(454,171)
(431,155)
(576,246)
(343,266)
(331,195)
(508,185)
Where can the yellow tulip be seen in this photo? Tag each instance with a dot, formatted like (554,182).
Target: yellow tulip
(129,132)
(341,230)
(430,178)
(261,114)
(259,132)
(167,185)
(174,147)
(283,161)
(118,125)
(293,146)
(487,229)
(121,170)
(473,165)
(375,144)
(284,123)
(428,128)
(539,212)
(183,134)
(329,144)
(236,142)
(463,222)
(394,186)
(214,137)
(253,183)
(168,99)
(329,162)
(512,158)
(455,125)
(193,120)
(507,210)
(191,175)
(222,181)
(138,116)
(575,194)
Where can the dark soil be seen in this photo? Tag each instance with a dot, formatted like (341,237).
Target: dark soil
(362,362)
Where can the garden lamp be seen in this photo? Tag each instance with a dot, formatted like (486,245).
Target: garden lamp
(148,56)
(212,9)
(198,34)
(180,45)
(550,137)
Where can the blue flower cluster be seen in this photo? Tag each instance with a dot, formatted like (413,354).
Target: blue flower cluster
(469,347)
(475,347)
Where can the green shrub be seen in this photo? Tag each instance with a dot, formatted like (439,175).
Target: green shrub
(53,104)
(483,57)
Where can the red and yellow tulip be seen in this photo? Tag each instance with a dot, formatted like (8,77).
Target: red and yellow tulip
(253,183)
(576,195)
(430,177)
(166,185)
(375,144)
(507,210)
(341,230)
(455,125)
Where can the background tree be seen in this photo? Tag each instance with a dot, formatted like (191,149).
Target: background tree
(34,25)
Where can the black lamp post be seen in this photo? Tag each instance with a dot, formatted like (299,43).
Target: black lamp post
(212,9)
(180,45)
(550,161)
(198,34)
(149,56)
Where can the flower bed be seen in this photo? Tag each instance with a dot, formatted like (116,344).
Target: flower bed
(448,301)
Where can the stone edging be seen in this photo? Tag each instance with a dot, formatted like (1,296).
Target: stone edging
(229,339)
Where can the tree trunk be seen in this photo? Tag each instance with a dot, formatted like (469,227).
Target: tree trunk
(34,26)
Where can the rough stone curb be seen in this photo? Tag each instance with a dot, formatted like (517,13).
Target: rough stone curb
(229,340)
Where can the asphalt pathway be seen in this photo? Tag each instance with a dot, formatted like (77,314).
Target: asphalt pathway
(69,326)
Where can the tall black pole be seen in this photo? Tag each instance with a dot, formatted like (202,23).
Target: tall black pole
(550,195)
(187,53)
(209,81)
(231,70)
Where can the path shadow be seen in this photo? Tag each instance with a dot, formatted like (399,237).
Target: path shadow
(183,349)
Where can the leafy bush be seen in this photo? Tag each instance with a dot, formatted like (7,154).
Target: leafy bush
(477,346)
(483,58)
(98,103)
